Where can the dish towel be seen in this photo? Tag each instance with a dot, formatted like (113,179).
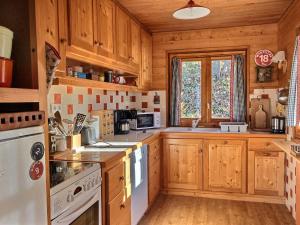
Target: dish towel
(293,115)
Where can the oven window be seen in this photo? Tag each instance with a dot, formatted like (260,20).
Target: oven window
(89,217)
(145,120)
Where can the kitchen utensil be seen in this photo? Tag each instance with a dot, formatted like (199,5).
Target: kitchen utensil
(260,118)
(6,69)
(278,125)
(6,37)
(59,122)
(52,61)
(88,135)
(78,123)
(283,96)
(255,103)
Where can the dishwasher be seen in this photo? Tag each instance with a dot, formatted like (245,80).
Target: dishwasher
(139,183)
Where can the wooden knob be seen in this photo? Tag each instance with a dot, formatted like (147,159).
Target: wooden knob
(63,40)
(122,206)
(121,178)
(48,30)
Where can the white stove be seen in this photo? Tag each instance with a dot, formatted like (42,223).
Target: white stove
(77,198)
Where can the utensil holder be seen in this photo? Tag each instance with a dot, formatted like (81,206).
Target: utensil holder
(74,141)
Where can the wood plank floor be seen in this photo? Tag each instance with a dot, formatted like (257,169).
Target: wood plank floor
(179,210)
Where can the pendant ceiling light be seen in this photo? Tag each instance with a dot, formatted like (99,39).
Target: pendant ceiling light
(191,11)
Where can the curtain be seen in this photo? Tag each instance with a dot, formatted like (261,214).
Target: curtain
(238,89)
(175,92)
(293,102)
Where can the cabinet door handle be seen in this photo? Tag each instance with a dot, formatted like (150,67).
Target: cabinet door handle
(122,206)
(63,40)
(122,178)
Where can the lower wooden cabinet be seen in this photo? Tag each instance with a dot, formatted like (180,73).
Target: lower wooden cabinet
(182,160)
(225,165)
(266,173)
(119,210)
(154,164)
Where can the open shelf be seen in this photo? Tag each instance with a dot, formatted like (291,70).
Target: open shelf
(18,95)
(73,81)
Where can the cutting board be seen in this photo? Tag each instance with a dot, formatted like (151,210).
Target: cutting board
(266,108)
(260,118)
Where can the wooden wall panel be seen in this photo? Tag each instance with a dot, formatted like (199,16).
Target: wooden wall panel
(286,36)
(254,37)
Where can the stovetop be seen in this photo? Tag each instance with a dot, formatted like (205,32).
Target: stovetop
(62,171)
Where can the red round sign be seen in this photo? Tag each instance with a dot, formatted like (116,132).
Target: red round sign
(263,58)
(36,170)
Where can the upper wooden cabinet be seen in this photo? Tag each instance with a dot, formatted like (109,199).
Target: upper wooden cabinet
(50,11)
(135,46)
(81,24)
(182,163)
(225,165)
(104,25)
(146,67)
(122,35)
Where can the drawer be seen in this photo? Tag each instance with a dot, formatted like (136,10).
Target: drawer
(119,210)
(115,181)
(262,144)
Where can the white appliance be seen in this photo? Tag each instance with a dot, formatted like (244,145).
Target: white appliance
(139,184)
(22,177)
(145,120)
(77,197)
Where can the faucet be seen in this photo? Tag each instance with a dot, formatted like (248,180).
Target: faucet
(195,123)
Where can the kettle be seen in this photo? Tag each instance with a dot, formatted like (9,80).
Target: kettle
(88,135)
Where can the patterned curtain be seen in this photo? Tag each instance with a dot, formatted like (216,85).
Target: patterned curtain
(175,93)
(238,89)
(294,98)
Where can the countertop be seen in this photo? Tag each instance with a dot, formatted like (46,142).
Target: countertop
(285,146)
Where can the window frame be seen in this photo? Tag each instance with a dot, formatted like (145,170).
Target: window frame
(206,82)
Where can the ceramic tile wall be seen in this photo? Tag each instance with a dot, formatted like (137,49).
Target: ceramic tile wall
(71,100)
(290,185)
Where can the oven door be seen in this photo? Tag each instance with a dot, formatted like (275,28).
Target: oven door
(86,211)
(145,120)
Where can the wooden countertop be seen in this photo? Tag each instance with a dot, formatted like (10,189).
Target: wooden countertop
(104,158)
(286,147)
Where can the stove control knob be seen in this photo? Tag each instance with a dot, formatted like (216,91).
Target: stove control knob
(70,198)
(84,187)
(89,185)
(93,182)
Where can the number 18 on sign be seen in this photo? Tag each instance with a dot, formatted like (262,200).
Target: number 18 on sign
(263,58)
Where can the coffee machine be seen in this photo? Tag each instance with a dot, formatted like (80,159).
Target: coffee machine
(278,124)
(121,120)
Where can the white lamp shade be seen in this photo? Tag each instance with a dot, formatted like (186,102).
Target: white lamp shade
(189,13)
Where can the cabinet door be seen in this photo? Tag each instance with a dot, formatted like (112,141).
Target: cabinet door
(104,11)
(225,165)
(119,210)
(266,173)
(122,35)
(182,158)
(81,24)
(146,68)
(135,31)
(154,170)
(51,22)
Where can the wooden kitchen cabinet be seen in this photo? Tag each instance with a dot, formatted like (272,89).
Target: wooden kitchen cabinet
(154,164)
(122,35)
(145,79)
(104,26)
(135,44)
(50,12)
(225,165)
(182,160)
(119,210)
(81,24)
(266,172)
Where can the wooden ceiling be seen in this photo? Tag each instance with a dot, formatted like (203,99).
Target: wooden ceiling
(156,15)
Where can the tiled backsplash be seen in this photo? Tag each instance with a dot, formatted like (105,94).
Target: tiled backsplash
(71,100)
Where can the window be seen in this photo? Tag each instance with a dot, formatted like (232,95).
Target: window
(206,88)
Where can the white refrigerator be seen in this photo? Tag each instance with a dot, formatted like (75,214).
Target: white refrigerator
(22,177)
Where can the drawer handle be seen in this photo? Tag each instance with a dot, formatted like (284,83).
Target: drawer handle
(122,178)
(122,206)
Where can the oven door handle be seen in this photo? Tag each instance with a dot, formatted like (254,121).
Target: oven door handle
(72,214)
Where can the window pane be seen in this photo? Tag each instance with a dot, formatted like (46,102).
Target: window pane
(220,103)
(191,89)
